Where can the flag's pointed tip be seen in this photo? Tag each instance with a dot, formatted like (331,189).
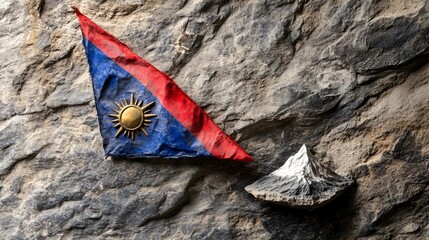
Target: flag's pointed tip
(76,10)
(243,156)
(247,158)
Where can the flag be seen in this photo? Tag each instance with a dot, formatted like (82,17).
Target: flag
(141,111)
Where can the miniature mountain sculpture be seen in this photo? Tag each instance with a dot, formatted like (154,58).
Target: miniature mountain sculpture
(302,182)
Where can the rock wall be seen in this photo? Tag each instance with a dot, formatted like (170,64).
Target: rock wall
(348,78)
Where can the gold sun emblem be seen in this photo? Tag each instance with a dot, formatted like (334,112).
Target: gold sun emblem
(131,118)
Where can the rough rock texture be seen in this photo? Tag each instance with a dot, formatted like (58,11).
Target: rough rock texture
(348,78)
(302,182)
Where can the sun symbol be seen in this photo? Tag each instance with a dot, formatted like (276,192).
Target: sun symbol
(131,118)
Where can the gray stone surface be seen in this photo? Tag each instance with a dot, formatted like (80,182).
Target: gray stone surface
(302,182)
(410,228)
(348,78)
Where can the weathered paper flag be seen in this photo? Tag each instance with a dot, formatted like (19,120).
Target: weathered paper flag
(141,110)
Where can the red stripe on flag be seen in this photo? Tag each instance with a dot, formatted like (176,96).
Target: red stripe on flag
(174,100)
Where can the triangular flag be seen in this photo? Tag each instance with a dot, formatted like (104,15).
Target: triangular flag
(141,110)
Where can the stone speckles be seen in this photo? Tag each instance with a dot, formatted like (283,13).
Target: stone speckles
(350,78)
